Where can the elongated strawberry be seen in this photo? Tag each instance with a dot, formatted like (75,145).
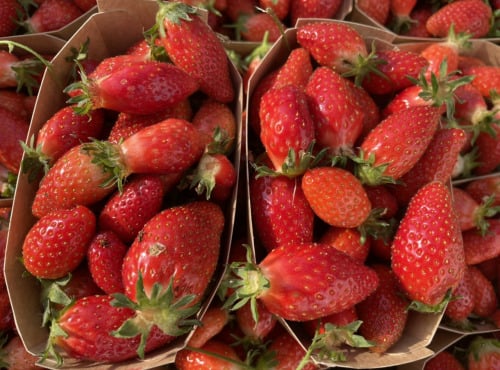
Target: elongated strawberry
(89,172)
(461,305)
(427,251)
(15,129)
(212,323)
(485,298)
(85,331)
(390,149)
(473,214)
(52,15)
(296,70)
(480,247)
(195,48)
(325,269)
(482,187)
(336,196)
(137,87)
(187,235)
(486,78)
(338,121)
(45,252)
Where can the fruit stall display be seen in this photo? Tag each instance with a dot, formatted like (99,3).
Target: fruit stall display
(336,199)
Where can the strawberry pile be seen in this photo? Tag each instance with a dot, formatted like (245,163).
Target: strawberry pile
(26,17)
(134,176)
(352,150)
(432,19)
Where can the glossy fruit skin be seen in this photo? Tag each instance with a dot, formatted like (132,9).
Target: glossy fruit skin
(88,325)
(15,128)
(188,359)
(8,15)
(289,353)
(479,248)
(45,249)
(326,271)
(427,252)
(52,15)
(444,360)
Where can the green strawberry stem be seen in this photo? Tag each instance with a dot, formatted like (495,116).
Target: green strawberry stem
(35,162)
(425,308)
(376,226)
(83,100)
(365,65)
(53,294)
(161,308)
(486,210)
(369,173)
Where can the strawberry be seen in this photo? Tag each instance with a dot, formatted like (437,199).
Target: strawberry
(487,146)
(325,269)
(338,121)
(286,128)
(17,102)
(190,358)
(236,8)
(461,304)
(52,15)
(427,251)
(468,16)
(400,14)
(376,10)
(419,16)
(62,131)
(280,8)
(486,78)
(212,322)
(85,5)
(347,240)
(86,330)
(45,253)
(8,17)
(253,27)
(479,247)
(253,60)
(472,214)
(7,323)
(255,331)
(104,256)
(443,360)
(483,353)
(170,146)
(384,312)
(195,48)
(313,9)
(280,212)
(261,88)
(14,355)
(339,319)
(482,187)
(336,196)
(389,150)
(187,235)
(382,197)
(150,87)
(126,212)
(296,70)
(15,129)
(485,298)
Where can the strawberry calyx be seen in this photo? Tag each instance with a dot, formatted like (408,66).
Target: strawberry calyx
(52,295)
(376,227)
(425,308)
(362,66)
(79,92)
(259,51)
(34,162)
(486,210)
(174,12)
(8,184)
(160,308)
(369,173)
(481,346)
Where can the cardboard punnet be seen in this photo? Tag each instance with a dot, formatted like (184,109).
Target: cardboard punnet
(110,33)
(420,329)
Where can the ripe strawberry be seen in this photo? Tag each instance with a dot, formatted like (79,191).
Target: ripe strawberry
(296,70)
(236,8)
(17,102)
(14,355)
(483,353)
(487,146)
(336,196)
(126,212)
(104,257)
(479,247)
(419,16)
(255,331)
(195,48)
(313,9)
(170,146)
(338,121)
(280,212)
(461,305)
(468,16)
(286,128)
(8,17)
(187,235)
(482,187)
(486,78)
(376,10)
(280,8)
(485,298)
(261,88)
(384,312)
(347,240)
(400,14)
(85,5)
(86,330)
(339,319)
(389,150)
(325,269)
(472,214)
(212,323)
(15,129)
(45,252)
(253,60)
(190,358)
(443,360)
(382,197)
(427,251)
(52,15)
(7,323)
(62,131)
(253,27)
(149,87)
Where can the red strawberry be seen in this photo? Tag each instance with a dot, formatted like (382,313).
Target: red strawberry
(85,5)
(150,87)
(15,356)
(253,27)
(347,240)
(81,284)
(52,15)
(7,323)
(389,150)
(338,121)
(296,70)
(339,319)
(280,212)
(382,197)
(255,331)
(280,8)
(400,14)
(193,46)
(427,251)
(376,10)
(86,330)
(168,147)
(313,9)
(126,212)
(62,131)
(17,102)
(468,16)
(487,145)
(278,281)
(286,128)
(483,353)
(190,358)
(212,323)
(443,360)
(384,312)
(485,298)
(419,16)
(261,88)
(482,187)
(15,129)
(472,214)
(8,17)
(288,353)
(236,8)
(45,252)
(336,196)
(105,256)
(486,78)
(253,60)
(461,305)
(479,247)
